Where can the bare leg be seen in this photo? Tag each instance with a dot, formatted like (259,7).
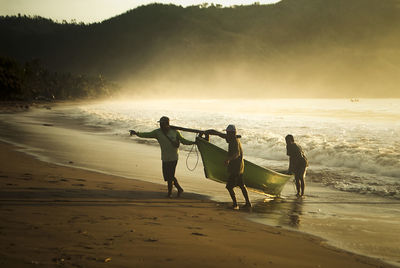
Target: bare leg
(180,190)
(246,195)
(300,184)
(297,185)
(168,169)
(233,196)
(170,183)
(303,182)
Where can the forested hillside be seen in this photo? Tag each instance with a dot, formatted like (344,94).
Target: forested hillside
(299,48)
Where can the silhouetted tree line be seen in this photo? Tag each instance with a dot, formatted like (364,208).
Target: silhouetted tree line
(310,41)
(164,35)
(32,81)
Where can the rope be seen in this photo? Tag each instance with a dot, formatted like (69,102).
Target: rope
(197,155)
(294,185)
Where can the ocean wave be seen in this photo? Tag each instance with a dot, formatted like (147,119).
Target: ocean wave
(360,183)
(346,145)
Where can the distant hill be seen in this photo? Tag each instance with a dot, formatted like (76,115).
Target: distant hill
(295,48)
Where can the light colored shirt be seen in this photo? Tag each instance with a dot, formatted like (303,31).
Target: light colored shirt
(169,152)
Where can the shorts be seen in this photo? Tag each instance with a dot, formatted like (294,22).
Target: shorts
(168,170)
(235,180)
(300,173)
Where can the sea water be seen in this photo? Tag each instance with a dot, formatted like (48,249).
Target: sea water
(352,183)
(351,145)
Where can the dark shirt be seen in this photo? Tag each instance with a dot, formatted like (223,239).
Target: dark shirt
(236,165)
(297,159)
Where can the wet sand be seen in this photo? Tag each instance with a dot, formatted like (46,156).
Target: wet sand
(55,215)
(60,215)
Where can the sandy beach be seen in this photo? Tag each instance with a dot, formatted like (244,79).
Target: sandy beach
(75,196)
(308,89)
(56,215)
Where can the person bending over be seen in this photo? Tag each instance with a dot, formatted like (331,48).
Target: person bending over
(298,163)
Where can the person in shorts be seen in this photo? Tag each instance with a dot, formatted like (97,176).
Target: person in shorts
(298,163)
(169,140)
(235,165)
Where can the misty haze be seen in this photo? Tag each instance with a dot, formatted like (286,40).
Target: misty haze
(201,136)
(290,49)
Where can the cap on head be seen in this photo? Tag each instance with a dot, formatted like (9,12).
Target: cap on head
(164,119)
(231,128)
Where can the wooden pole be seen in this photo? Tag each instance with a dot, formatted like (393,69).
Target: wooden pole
(206,132)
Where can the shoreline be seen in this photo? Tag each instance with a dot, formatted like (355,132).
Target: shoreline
(91,218)
(52,139)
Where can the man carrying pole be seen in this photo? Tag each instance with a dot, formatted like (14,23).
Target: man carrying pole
(169,140)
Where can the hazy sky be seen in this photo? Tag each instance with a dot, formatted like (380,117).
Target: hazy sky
(95,10)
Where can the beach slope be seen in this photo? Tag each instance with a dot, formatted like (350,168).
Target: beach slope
(55,215)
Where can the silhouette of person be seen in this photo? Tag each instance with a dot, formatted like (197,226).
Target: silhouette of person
(298,163)
(169,140)
(235,164)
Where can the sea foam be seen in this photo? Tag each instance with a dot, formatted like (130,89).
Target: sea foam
(350,146)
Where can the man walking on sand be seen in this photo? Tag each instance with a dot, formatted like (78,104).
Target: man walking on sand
(169,140)
(297,163)
(235,163)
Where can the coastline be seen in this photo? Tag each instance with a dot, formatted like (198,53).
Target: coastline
(57,215)
(47,133)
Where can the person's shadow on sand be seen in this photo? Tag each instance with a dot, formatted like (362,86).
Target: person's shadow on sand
(111,196)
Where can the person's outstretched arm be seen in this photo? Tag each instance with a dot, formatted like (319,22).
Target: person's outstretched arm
(150,135)
(183,140)
(215,132)
(289,152)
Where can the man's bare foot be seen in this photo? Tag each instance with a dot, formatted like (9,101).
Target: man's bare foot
(247,206)
(179,193)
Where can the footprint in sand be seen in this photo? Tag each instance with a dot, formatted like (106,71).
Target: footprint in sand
(83,232)
(194,228)
(107,218)
(152,223)
(78,184)
(80,179)
(199,234)
(104,187)
(148,218)
(237,230)
(26,177)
